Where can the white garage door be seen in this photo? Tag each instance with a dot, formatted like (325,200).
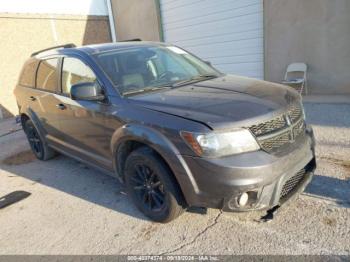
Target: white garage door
(228,33)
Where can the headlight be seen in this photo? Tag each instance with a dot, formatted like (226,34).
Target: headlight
(221,144)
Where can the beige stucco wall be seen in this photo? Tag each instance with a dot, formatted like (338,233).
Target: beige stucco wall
(22,34)
(314,31)
(136,19)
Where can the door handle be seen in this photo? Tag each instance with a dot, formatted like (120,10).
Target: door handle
(61,106)
(32,98)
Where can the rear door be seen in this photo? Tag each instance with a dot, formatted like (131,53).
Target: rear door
(84,124)
(44,99)
(25,91)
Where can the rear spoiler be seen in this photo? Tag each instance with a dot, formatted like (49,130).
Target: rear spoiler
(54,47)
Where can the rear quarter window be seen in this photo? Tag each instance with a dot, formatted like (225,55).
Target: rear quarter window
(47,75)
(27,76)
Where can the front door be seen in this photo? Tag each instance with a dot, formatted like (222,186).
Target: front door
(84,124)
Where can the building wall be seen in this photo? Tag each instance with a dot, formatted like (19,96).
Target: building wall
(22,34)
(32,25)
(314,31)
(136,19)
(71,7)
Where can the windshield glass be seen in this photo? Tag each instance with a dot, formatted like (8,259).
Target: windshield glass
(140,69)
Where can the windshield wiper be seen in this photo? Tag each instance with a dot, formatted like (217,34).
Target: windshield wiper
(194,79)
(176,84)
(136,91)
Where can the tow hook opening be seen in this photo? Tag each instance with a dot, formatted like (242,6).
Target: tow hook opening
(269,214)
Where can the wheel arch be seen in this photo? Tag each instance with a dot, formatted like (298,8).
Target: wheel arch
(132,136)
(30,115)
(24,118)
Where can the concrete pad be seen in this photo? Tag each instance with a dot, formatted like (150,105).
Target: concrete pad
(8,126)
(74,209)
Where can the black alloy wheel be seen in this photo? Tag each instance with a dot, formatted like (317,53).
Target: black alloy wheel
(149,189)
(34,140)
(40,149)
(152,186)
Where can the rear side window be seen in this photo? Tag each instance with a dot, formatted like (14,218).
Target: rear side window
(47,76)
(75,71)
(28,74)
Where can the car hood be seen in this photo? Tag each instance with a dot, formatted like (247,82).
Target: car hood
(224,102)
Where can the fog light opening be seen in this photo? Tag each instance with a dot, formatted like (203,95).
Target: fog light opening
(243,199)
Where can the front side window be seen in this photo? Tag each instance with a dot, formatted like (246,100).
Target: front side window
(46,77)
(138,69)
(74,71)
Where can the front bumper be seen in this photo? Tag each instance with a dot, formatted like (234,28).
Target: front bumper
(268,179)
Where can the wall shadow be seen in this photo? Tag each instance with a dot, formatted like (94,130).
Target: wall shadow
(4,113)
(331,188)
(322,114)
(96,30)
(332,144)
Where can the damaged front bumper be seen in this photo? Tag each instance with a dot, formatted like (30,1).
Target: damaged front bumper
(255,180)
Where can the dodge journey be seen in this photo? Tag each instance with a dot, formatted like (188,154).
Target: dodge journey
(173,129)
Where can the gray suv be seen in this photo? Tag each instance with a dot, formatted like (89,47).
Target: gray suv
(176,131)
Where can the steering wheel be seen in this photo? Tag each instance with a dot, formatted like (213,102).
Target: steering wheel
(165,75)
(130,87)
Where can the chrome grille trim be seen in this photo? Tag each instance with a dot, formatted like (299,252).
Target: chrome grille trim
(295,112)
(269,126)
(281,130)
(299,128)
(275,142)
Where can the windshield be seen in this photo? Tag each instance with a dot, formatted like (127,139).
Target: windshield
(141,69)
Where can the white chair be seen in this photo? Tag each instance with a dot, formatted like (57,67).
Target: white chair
(296,77)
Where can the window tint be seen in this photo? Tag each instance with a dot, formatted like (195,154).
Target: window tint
(47,75)
(75,71)
(28,74)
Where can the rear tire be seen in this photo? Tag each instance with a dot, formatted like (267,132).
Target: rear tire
(39,147)
(151,186)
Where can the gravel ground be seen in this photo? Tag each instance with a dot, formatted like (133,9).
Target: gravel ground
(73,209)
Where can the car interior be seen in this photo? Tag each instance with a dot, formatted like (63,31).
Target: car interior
(129,70)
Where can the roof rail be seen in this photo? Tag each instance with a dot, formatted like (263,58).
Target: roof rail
(131,40)
(54,47)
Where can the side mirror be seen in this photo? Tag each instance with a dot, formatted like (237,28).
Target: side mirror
(208,63)
(87,91)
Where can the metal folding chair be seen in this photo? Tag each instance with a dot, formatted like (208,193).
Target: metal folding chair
(295,77)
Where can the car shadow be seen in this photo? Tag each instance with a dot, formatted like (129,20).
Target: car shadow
(74,178)
(330,188)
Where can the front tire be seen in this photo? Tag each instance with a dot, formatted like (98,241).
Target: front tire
(40,149)
(151,186)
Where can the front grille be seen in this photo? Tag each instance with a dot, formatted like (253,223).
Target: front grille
(295,112)
(269,126)
(275,133)
(299,128)
(292,184)
(276,142)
